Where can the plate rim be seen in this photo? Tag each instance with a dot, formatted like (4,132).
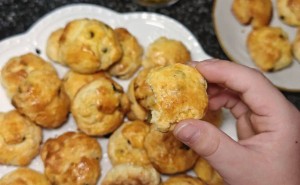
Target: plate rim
(216,29)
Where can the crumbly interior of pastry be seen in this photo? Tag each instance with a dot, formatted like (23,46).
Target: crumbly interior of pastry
(258,13)
(129,174)
(24,176)
(270,48)
(72,158)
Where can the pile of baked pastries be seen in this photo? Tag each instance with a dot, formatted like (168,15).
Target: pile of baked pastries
(269,46)
(137,123)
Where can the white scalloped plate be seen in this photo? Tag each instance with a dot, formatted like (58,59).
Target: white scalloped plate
(145,26)
(232,37)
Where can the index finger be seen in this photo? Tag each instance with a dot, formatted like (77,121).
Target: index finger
(252,86)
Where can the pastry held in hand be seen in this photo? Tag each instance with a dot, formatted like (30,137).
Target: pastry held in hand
(258,13)
(179,92)
(24,176)
(269,48)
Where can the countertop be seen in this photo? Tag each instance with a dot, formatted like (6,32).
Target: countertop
(16,16)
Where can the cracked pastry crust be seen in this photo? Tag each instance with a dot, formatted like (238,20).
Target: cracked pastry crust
(19,139)
(206,173)
(289,11)
(167,154)
(179,92)
(270,48)
(258,13)
(126,144)
(165,51)
(24,176)
(131,59)
(85,45)
(100,107)
(72,158)
(183,180)
(74,81)
(16,70)
(129,174)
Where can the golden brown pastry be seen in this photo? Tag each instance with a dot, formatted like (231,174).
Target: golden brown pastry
(164,51)
(24,176)
(258,13)
(167,154)
(87,46)
(99,107)
(269,48)
(72,159)
(138,92)
(52,47)
(179,92)
(214,117)
(206,173)
(289,11)
(129,174)
(42,100)
(20,139)
(16,70)
(126,144)
(131,60)
(296,46)
(183,180)
(73,81)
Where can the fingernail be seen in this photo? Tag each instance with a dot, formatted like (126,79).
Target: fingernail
(185,131)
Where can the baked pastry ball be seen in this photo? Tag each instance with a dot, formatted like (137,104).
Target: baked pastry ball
(20,139)
(289,11)
(138,93)
(164,51)
(24,176)
(130,174)
(72,159)
(53,44)
(296,46)
(131,59)
(73,81)
(258,13)
(214,117)
(86,46)
(41,98)
(183,180)
(16,70)
(269,48)
(179,92)
(126,144)
(100,107)
(206,173)
(167,154)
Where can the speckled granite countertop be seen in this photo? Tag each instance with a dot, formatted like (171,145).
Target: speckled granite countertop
(16,16)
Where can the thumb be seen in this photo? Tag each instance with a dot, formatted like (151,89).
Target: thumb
(222,152)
